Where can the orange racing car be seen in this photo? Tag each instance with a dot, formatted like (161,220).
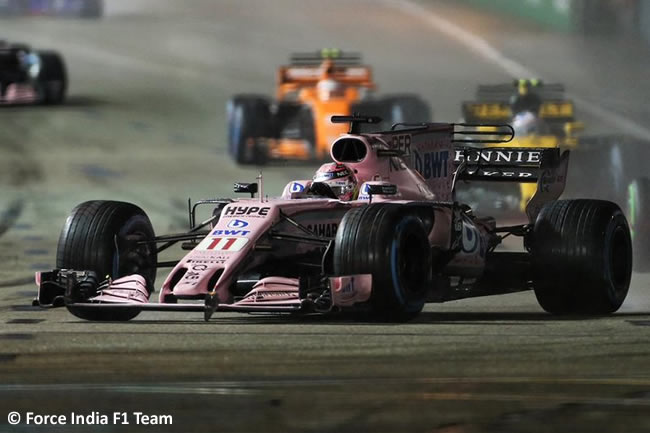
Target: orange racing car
(312,88)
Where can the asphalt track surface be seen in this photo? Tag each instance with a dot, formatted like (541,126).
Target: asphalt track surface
(145,123)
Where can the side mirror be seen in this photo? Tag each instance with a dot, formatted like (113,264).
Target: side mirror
(250,188)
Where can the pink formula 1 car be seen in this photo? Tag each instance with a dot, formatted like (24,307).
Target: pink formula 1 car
(402,242)
(31,77)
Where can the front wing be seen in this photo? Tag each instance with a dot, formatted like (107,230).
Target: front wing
(19,94)
(81,294)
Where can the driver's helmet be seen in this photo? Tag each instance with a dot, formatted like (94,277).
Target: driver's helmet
(526,123)
(339,178)
(526,98)
(328,88)
(30,62)
(527,102)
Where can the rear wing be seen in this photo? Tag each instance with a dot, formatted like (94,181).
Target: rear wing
(308,68)
(310,75)
(492,103)
(315,58)
(547,167)
(503,164)
(494,163)
(553,111)
(503,92)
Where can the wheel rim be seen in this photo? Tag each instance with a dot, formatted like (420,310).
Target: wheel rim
(138,259)
(134,257)
(407,266)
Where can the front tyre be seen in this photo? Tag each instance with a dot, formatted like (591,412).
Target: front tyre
(249,121)
(113,239)
(582,257)
(386,241)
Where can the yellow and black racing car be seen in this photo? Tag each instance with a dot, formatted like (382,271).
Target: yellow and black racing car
(607,166)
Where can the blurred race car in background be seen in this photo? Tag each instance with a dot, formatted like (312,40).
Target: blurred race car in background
(610,167)
(31,77)
(312,88)
(66,8)
(403,242)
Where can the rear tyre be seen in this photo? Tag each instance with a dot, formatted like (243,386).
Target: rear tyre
(393,109)
(407,108)
(372,107)
(638,205)
(249,119)
(104,237)
(582,257)
(392,245)
(52,80)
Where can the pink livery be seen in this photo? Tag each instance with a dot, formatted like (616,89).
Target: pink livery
(402,242)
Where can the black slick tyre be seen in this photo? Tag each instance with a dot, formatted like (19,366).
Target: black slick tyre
(582,257)
(249,120)
(386,241)
(52,79)
(407,108)
(106,237)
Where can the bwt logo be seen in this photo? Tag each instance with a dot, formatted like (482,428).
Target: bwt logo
(431,164)
(237,224)
(227,232)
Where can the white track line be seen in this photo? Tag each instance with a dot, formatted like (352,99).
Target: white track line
(484,49)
